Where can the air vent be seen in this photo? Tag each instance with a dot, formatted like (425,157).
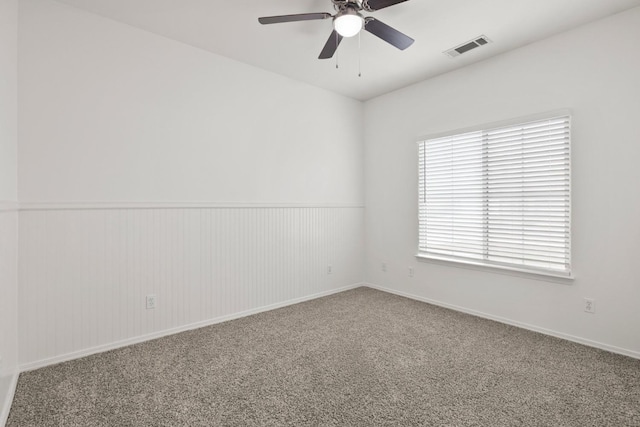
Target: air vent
(467,46)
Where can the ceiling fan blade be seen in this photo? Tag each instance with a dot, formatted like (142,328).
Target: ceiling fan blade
(381,4)
(388,34)
(293,18)
(331,46)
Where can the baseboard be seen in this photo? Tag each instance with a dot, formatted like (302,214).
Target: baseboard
(6,405)
(147,337)
(579,340)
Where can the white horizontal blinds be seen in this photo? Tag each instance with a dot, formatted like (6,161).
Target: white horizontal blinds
(498,196)
(528,194)
(452,196)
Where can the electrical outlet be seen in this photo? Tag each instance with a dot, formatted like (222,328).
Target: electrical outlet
(329,269)
(590,305)
(383,266)
(151,302)
(410,271)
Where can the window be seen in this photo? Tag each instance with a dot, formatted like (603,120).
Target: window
(498,197)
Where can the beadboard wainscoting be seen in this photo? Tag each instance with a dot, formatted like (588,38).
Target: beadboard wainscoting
(8,305)
(85,270)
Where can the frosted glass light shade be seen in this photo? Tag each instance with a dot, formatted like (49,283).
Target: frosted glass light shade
(348,24)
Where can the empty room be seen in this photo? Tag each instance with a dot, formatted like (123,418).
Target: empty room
(319,213)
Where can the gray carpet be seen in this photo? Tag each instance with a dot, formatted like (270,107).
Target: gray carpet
(358,358)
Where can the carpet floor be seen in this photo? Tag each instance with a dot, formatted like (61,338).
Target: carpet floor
(357,358)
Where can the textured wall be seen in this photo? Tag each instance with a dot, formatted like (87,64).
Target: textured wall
(592,70)
(85,273)
(8,304)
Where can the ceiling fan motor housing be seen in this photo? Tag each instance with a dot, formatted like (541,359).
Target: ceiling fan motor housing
(356,4)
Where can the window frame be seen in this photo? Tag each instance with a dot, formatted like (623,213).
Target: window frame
(481,264)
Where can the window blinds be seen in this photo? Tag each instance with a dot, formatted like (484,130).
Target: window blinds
(499,196)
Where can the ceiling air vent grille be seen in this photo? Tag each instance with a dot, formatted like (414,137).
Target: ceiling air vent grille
(467,46)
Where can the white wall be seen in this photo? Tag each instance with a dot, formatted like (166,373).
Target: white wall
(592,70)
(8,306)
(149,166)
(112,113)
(84,274)
(8,96)
(8,213)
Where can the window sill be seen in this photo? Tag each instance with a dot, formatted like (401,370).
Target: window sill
(511,271)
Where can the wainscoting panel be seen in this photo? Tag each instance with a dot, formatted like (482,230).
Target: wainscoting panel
(85,272)
(8,305)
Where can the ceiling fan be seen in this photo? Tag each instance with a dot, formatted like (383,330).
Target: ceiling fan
(348,21)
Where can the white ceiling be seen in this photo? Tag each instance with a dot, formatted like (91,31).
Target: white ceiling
(230,28)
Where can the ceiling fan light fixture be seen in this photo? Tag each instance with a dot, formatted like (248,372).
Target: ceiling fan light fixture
(348,23)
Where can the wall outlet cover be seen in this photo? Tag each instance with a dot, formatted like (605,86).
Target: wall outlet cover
(151,302)
(590,305)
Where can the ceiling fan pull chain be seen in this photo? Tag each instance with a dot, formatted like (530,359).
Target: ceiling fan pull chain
(337,44)
(359,54)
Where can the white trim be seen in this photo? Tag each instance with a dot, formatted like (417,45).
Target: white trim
(550,332)
(8,206)
(147,337)
(497,268)
(44,206)
(6,405)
